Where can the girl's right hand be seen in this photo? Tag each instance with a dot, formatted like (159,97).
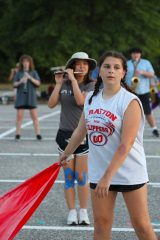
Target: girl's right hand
(23,80)
(102,188)
(63,160)
(59,78)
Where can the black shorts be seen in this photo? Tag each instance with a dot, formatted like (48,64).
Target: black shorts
(120,188)
(25,107)
(146,102)
(62,140)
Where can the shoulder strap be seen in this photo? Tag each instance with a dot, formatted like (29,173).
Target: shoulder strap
(135,64)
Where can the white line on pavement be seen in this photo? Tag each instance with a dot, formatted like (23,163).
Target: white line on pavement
(155,224)
(78,228)
(53,155)
(29,138)
(6,127)
(2,135)
(31,154)
(27,119)
(20,181)
(151,140)
(153,184)
(52,139)
(31,128)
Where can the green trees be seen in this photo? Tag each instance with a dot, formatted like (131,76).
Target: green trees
(51,30)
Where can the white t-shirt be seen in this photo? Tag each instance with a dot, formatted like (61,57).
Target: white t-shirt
(104,120)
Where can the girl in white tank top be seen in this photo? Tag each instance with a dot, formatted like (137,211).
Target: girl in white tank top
(114,120)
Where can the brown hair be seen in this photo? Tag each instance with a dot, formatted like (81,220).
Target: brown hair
(101,60)
(87,78)
(30,59)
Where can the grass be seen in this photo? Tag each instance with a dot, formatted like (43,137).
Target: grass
(6,86)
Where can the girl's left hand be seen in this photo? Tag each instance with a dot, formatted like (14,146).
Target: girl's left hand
(102,187)
(27,75)
(139,72)
(70,74)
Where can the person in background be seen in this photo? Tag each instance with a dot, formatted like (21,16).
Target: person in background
(11,77)
(13,72)
(114,119)
(71,88)
(94,74)
(26,82)
(143,70)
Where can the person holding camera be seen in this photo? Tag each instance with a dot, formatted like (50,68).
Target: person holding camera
(71,88)
(26,81)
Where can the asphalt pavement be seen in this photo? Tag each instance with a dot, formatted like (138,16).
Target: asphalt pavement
(20,160)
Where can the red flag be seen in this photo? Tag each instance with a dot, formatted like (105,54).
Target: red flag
(17,205)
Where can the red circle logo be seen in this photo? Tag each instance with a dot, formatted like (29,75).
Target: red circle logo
(98,138)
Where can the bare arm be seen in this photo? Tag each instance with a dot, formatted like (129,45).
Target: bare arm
(78,95)
(21,81)
(17,84)
(76,139)
(131,123)
(25,78)
(54,98)
(145,73)
(35,81)
(12,74)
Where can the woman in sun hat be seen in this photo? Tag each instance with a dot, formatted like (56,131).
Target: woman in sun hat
(71,88)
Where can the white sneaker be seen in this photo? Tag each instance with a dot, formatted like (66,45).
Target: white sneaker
(83,217)
(72,217)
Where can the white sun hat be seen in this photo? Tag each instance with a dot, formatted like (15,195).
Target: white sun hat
(81,56)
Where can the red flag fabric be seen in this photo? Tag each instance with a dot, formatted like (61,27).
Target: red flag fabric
(17,205)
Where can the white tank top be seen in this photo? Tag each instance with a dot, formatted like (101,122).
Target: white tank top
(104,124)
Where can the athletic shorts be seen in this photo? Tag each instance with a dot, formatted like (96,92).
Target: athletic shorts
(146,102)
(62,139)
(25,107)
(120,188)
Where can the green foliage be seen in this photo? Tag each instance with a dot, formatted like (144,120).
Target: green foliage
(52,30)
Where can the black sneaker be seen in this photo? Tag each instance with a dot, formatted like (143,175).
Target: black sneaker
(39,137)
(17,137)
(155,133)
